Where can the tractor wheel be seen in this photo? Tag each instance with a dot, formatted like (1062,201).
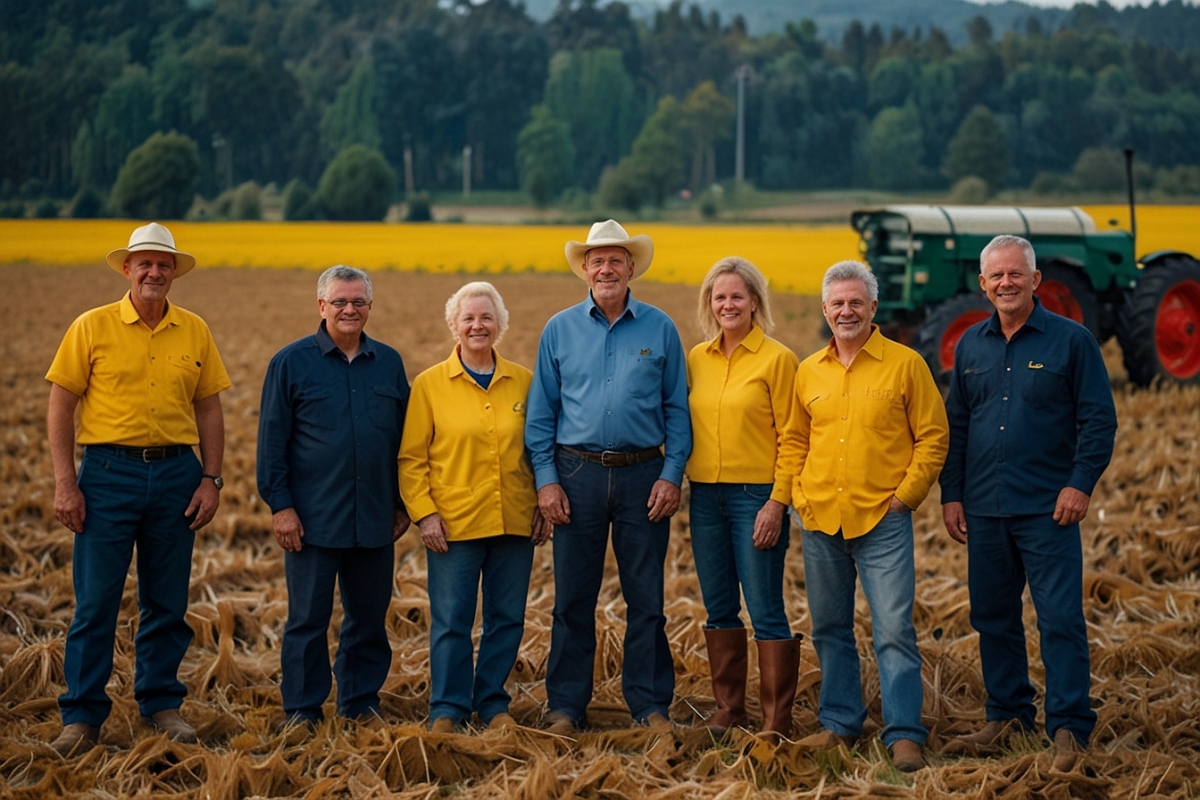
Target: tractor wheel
(944,325)
(1159,324)
(1065,292)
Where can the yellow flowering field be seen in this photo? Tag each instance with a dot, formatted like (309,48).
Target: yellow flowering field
(793,257)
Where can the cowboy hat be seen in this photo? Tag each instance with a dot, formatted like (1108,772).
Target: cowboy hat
(151,237)
(610,234)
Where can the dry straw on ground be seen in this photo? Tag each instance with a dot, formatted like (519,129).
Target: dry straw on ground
(1142,550)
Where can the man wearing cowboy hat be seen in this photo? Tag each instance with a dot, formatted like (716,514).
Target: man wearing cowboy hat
(608,434)
(146,378)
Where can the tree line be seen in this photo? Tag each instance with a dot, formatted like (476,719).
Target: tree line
(438,95)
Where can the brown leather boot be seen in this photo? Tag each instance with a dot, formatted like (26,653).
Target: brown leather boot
(778,672)
(727,664)
(76,739)
(1066,751)
(988,740)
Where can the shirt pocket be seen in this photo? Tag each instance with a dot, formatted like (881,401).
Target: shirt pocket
(645,374)
(386,403)
(316,408)
(976,381)
(884,413)
(1045,386)
(185,377)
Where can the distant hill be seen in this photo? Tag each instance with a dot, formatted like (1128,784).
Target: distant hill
(1173,23)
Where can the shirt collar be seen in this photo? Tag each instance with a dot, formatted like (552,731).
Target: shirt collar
(1037,319)
(457,368)
(632,307)
(872,347)
(130,315)
(752,341)
(324,341)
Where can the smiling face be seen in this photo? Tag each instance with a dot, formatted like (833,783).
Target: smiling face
(608,270)
(476,325)
(849,309)
(1008,282)
(347,322)
(733,305)
(150,273)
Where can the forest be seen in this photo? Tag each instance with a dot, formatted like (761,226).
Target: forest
(455,94)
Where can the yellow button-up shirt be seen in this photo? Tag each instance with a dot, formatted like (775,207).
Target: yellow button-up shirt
(739,406)
(136,386)
(861,434)
(462,454)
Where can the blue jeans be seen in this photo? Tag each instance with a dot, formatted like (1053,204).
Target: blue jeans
(503,564)
(729,565)
(364,655)
(883,561)
(130,504)
(1002,552)
(601,497)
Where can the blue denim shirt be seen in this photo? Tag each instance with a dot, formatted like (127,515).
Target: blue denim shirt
(599,387)
(1028,416)
(329,437)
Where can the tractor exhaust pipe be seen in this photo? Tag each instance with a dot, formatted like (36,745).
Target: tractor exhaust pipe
(1132,205)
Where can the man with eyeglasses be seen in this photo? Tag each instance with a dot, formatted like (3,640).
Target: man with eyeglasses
(333,407)
(145,377)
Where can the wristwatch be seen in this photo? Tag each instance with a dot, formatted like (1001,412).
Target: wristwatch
(217,480)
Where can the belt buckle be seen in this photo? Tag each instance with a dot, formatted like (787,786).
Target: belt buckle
(604,458)
(147,452)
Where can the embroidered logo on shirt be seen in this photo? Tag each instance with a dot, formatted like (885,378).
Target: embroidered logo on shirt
(519,407)
(646,351)
(1036,366)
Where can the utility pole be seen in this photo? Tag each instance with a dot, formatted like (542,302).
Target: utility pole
(742,73)
(466,170)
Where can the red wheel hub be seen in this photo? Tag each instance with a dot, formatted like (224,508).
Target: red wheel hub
(1057,297)
(954,331)
(1177,330)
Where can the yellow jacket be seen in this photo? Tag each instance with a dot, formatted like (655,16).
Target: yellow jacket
(462,454)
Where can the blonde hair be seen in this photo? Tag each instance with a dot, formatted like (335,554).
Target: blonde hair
(756,284)
(477,289)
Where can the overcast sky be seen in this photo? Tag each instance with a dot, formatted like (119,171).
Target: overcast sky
(1069,3)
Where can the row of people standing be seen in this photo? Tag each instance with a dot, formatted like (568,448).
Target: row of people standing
(853,438)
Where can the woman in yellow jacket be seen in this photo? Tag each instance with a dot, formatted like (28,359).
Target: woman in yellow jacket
(465,480)
(740,389)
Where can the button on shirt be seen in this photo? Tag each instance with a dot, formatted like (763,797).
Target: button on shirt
(620,387)
(329,437)
(137,387)
(462,454)
(863,433)
(1028,416)
(739,407)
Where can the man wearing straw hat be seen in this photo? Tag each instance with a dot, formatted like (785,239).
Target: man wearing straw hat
(146,379)
(608,434)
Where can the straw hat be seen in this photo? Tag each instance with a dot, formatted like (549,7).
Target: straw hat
(610,234)
(151,237)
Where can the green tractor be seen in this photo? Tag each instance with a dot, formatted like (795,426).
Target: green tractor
(926,259)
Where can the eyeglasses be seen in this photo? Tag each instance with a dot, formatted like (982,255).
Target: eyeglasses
(341,303)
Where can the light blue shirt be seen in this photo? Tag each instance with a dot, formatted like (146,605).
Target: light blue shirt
(620,387)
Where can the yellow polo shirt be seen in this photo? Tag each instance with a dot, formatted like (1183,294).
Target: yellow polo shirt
(739,406)
(462,454)
(136,386)
(860,434)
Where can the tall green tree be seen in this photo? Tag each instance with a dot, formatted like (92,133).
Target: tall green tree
(896,149)
(707,119)
(660,151)
(980,149)
(158,180)
(357,185)
(546,155)
(124,119)
(350,118)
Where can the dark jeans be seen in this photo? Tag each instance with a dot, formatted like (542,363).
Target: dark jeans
(601,497)
(130,504)
(364,656)
(1004,552)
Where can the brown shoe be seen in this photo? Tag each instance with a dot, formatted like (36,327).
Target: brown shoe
(658,723)
(442,725)
(560,724)
(826,739)
(76,739)
(778,672)
(1066,751)
(988,740)
(502,721)
(173,725)
(906,755)
(727,666)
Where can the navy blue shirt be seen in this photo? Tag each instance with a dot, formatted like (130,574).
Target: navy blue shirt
(1028,416)
(329,437)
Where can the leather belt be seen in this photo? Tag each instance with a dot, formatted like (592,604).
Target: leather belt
(144,454)
(612,458)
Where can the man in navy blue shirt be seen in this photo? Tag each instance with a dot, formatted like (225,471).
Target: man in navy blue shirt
(1031,430)
(332,412)
(608,435)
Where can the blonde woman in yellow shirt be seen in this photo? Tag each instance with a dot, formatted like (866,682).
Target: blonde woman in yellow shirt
(465,480)
(740,390)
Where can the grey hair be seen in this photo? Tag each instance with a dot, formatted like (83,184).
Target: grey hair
(343,273)
(477,289)
(850,271)
(755,283)
(1005,241)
